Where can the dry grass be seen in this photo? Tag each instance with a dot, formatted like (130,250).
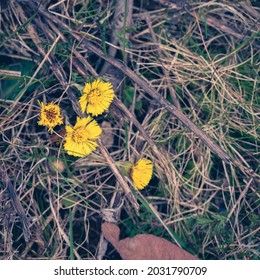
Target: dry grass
(202,58)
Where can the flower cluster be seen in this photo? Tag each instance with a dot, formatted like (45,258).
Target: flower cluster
(80,139)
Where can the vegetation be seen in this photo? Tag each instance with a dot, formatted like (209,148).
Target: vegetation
(168,61)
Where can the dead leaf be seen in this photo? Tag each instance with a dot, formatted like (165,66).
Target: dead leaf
(144,246)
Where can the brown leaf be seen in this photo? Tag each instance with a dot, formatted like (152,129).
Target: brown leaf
(144,246)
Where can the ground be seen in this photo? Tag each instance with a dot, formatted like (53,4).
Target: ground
(185,79)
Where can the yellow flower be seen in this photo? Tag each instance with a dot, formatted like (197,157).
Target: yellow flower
(97,97)
(141,173)
(80,139)
(50,115)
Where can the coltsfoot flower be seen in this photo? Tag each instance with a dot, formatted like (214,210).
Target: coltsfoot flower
(80,139)
(97,97)
(50,115)
(141,173)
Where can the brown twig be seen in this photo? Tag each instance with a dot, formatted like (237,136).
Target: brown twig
(118,175)
(10,73)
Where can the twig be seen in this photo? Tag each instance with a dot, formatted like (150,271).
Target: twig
(118,175)
(10,73)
